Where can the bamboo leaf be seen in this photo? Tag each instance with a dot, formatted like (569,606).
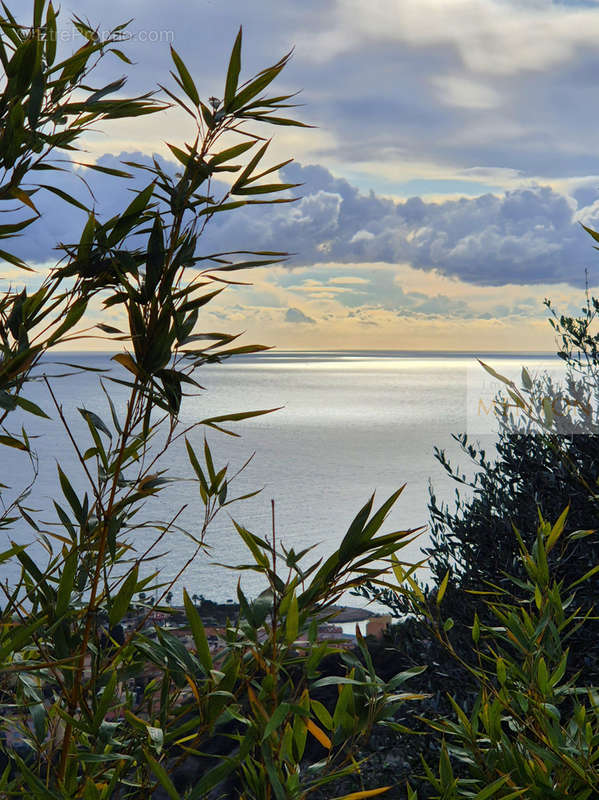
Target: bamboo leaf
(65,586)
(50,37)
(364,793)
(292,621)
(120,604)
(233,72)
(10,441)
(276,720)
(319,734)
(117,173)
(236,417)
(442,588)
(155,259)
(163,777)
(198,633)
(186,79)
(93,419)
(32,408)
(126,361)
(229,153)
(64,196)
(71,496)
(254,87)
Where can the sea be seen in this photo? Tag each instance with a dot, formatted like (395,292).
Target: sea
(348,424)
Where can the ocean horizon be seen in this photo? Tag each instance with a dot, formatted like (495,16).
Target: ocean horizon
(349,423)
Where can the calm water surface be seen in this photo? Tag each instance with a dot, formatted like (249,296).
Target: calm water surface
(350,424)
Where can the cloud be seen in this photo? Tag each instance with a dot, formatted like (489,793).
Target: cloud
(461,92)
(454,85)
(63,223)
(295,315)
(349,280)
(524,236)
(529,235)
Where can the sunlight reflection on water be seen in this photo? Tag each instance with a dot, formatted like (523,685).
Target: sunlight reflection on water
(349,424)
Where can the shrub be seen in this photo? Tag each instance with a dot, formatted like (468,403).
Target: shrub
(533,731)
(100,711)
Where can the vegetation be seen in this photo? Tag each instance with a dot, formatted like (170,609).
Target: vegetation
(545,459)
(92,709)
(532,732)
(97,702)
(545,467)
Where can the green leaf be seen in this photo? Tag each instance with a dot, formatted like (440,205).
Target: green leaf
(64,196)
(251,541)
(105,699)
(526,379)
(292,621)
(120,604)
(155,259)
(65,586)
(186,79)
(108,328)
(322,714)
(192,305)
(95,421)
(380,516)
(32,408)
(198,633)
(495,374)
(281,121)
(156,737)
(351,541)
(492,788)
(87,239)
(15,227)
(163,777)
(24,197)
(229,153)
(117,173)
(442,588)
(10,441)
(13,259)
(39,790)
(236,417)
(265,188)
(71,496)
(592,233)
(72,318)
(131,216)
(36,98)
(247,172)
(260,82)
(476,629)
(50,36)
(121,55)
(100,93)
(222,207)
(233,72)
(196,466)
(276,720)
(548,411)
(216,775)
(501,671)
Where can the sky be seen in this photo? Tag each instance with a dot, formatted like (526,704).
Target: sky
(453,158)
